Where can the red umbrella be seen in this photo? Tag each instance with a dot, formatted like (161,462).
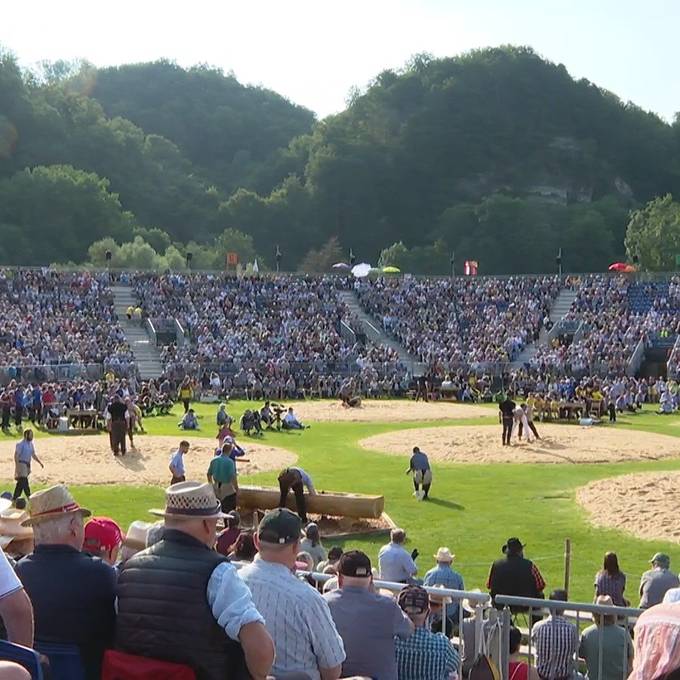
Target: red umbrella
(619,267)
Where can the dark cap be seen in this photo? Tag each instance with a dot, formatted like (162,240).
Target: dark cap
(280,526)
(414,600)
(355,563)
(513,545)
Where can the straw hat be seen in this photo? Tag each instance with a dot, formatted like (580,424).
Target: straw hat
(469,606)
(444,555)
(135,538)
(440,599)
(190,500)
(11,528)
(50,503)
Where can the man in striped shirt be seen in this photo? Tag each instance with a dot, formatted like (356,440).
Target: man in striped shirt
(297,616)
(556,641)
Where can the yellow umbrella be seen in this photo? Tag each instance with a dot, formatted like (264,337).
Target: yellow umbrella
(391,270)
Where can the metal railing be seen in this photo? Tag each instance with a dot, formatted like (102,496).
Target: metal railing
(571,610)
(151,330)
(672,363)
(636,358)
(57,372)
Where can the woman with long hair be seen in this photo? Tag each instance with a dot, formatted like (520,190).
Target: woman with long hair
(610,580)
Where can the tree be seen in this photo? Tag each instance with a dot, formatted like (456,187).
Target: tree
(396,255)
(322,259)
(653,234)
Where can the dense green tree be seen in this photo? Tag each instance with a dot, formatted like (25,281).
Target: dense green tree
(653,234)
(322,259)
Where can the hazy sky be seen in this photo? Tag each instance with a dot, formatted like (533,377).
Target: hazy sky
(314,51)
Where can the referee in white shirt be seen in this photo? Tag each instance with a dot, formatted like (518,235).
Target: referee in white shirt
(24,455)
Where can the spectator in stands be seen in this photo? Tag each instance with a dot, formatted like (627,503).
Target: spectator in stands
(616,645)
(444,575)
(292,610)
(244,549)
(657,581)
(518,668)
(15,539)
(334,555)
(657,644)
(366,621)
(556,641)
(181,601)
(514,574)
(227,537)
(72,593)
(424,655)
(311,543)
(396,564)
(103,539)
(16,611)
(611,580)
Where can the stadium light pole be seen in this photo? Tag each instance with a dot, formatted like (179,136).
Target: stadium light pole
(190,256)
(559,261)
(277,257)
(453,264)
(352,258)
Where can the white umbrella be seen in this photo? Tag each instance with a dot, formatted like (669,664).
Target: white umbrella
(340,265)
(361,270)
(256,268)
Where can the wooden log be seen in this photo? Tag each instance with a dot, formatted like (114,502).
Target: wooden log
(323,503)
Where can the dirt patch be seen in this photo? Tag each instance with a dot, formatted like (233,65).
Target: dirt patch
(386,411)
(644,504)
(88,459)
(558,444)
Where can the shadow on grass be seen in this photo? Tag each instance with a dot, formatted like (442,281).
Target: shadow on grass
(445,504)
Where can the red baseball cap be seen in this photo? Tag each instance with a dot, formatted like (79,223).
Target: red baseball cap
(102,532)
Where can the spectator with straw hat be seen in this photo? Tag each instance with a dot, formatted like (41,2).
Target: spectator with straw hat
(444,575)
(72,593)
(180,601)
(15,539)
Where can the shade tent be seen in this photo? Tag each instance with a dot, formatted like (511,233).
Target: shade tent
(361,270)
(391,270)
(622,267)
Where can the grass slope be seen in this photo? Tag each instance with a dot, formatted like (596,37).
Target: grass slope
(474,508)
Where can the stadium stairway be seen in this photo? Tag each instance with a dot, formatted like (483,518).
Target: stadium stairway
(558,310)
(377,335)
(147,356)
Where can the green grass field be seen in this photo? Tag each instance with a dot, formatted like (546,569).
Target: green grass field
(474,508)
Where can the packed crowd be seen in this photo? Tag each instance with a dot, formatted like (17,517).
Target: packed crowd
(50,318)
(447,323)
(178,596)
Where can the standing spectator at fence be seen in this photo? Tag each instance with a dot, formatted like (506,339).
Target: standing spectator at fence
(72,593)
(424,655)
(515,575)
(297,617)
(176,466)
(611,581)
(181,601)
(367,622)
(24,455)
(556,641)
(117,422)
(444,575)
(657,581)
(396,564)
(613,640)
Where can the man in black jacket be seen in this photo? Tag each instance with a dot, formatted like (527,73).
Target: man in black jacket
(515,575)
(506,409)
(182,602)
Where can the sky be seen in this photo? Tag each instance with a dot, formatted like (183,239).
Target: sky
(314,52)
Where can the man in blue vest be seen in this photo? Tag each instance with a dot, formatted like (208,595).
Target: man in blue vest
(180,601)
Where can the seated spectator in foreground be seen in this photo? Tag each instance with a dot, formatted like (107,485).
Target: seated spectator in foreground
(396,564)
(16,611)
(424,655)
(518,669)
(367,622)
(617,647)
(297,616)
(444,575)
(611,581)
(244,549)
(311,544)
(657,581)
(290,421)
(103,538)
(515,575)
(15,539)
(180,601)
(189,421)
(227,537)
(556,642)
(135,541)
(72,593)
(657,644)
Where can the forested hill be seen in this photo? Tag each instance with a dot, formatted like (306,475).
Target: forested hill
(226,129)
(496,154)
